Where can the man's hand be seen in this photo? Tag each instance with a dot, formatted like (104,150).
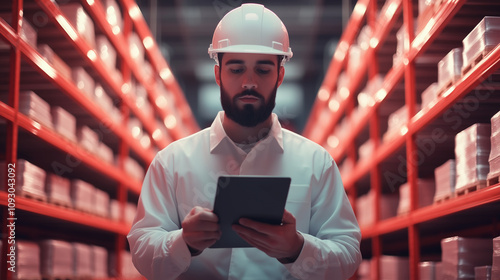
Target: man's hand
(282,242)
(200,229)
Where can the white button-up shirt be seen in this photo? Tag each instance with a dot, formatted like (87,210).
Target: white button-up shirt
(184,175)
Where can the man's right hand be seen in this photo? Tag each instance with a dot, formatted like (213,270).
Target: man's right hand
(200,229)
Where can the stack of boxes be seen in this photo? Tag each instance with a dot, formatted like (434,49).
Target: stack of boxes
(30,179)
(461,255)
(425,188)
(445,176)
(365,207)
(472,149)
(450,69)
(494,158)
(31,105)
(482,39)
(495,267)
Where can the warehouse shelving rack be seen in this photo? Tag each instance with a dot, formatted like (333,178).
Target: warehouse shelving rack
(23,136)
(416,234)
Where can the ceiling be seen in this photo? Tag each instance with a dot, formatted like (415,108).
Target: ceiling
(184,29)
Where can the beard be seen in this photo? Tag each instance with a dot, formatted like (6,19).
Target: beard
(248,116)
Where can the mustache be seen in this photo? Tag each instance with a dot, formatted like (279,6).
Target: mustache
(250,92)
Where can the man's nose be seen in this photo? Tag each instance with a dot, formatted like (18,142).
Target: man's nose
(249,82)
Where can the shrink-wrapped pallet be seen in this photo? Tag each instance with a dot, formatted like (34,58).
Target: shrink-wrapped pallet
(99,262)
(472,149)
(429,95)
(28,33)
(27,264)
(82,195)
(83,81)
(114,210)
(134,169)
(364,270)
(58,190)
(438,271)
(461,255)
(482,272)
(394,268)
(494,158)
(56,259)
(101,202)
(51,57)
(142,101)
(33,106)
(64,122)
(106,52)
(30,179)
(102,99)
(396,120)
(80,20)
(366,149)
(482,39)
(106,153)
(113,15)
(495,267)
(445,176)
(365,34)
(82,261)
(450,68)
(354,60)
(136,48)
(128,270)
(427,270)
(425,188)
(87,138)
(130,209)
(365,206)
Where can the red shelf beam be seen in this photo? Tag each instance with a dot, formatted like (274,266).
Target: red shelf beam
(69,215)
(471,200)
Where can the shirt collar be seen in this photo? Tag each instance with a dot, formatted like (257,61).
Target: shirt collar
(218,136)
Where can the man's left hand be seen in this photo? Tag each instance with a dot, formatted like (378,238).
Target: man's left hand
(282,242)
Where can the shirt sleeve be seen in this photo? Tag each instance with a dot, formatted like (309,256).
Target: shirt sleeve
(331,248)
(156,243)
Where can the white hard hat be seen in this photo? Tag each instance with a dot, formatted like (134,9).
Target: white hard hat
(250,28)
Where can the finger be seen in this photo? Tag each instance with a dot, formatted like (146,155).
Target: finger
(258,226)
(208,216)
(288,217)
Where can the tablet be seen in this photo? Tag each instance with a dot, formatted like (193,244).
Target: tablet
(254,197)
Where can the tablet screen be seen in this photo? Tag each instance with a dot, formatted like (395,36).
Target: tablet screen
(255,197)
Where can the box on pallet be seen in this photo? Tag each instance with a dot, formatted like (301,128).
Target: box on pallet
(472,148)
(445,176)
(57,260)
(461,255)
(58,190)
(33,106)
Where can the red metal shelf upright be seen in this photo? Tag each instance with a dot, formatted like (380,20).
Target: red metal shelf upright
(26,138)
(417,233)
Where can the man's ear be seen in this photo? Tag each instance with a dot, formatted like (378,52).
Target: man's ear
(217,74)
(281,75)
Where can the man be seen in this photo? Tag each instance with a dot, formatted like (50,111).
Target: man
(175,226)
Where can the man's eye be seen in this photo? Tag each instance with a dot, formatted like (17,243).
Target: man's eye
(263,71)
(236,71)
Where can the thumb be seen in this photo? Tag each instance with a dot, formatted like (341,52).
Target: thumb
(288,217)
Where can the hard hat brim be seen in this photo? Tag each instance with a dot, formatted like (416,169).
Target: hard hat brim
(250,49)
